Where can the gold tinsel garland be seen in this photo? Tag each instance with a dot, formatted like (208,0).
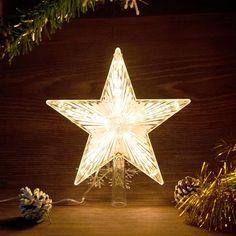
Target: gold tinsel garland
(213,205)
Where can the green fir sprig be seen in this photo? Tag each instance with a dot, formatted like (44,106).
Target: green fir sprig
(46,17)
(28,27)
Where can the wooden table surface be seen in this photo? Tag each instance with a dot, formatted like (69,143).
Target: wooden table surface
(102,219)
(178,56)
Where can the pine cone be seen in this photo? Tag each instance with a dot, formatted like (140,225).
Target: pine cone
(34,206)
(185,186)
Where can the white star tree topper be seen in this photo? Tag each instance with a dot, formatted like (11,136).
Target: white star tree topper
(118,123)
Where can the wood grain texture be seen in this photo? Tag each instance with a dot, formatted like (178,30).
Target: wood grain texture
(181,56)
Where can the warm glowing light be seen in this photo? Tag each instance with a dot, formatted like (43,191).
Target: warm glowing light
(118,123)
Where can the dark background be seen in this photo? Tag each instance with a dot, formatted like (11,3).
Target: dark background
(155,7)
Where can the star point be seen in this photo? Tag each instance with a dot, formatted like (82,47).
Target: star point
(118,123)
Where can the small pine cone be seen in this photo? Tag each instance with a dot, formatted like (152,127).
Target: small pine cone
(185,186)
(34,206)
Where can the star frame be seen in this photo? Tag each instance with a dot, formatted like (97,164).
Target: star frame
(118,123)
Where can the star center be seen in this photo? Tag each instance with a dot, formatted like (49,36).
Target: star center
(118,124)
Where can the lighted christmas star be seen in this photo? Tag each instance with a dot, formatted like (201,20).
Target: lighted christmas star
(118,123)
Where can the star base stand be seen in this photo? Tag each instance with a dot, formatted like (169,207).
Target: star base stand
(118,182)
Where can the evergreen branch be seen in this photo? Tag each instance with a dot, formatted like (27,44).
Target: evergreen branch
(47,16)
(30,26)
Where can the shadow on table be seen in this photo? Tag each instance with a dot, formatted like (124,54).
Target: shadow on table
(16,223)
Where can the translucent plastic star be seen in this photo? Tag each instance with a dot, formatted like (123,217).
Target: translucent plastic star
(118,123)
